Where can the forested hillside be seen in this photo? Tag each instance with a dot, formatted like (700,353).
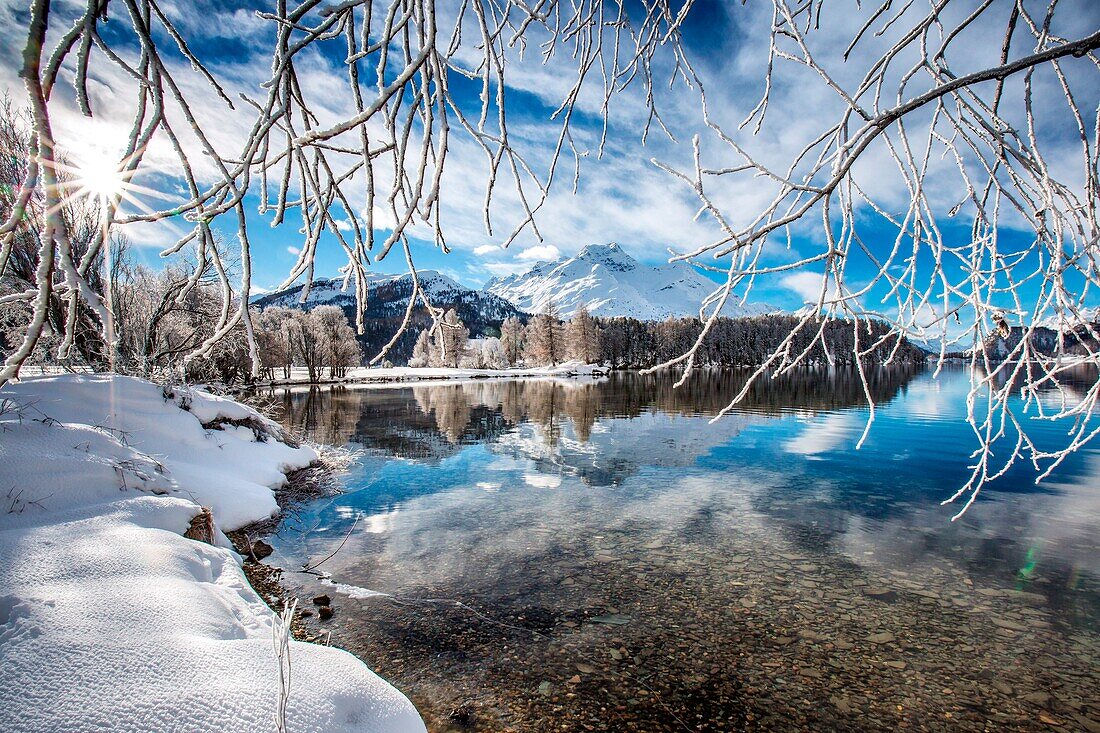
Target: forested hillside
(627,343)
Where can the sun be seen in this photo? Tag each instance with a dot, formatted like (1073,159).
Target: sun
(102,174)
(97,175)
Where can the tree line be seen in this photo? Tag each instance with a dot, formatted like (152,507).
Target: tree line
(627,343)
(545,340)
(162,316)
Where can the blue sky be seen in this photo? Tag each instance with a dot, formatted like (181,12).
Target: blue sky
(622,197)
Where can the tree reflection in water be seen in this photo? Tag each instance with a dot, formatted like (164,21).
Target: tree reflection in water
(453,414)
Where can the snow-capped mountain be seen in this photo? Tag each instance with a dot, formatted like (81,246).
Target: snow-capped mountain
(389,294)
(387,299)
(1069,322)
(612,283)
(392,291)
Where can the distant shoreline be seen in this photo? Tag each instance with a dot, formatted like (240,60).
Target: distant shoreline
(388,375)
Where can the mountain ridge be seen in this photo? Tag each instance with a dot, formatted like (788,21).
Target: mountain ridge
(387,301)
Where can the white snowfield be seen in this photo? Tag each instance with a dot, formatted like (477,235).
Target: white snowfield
(112,620)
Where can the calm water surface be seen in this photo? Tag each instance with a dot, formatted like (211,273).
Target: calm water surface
(579,555)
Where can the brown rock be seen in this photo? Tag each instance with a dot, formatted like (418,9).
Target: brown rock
(882,594)
(1005,623)
(261,549)
(1037,698)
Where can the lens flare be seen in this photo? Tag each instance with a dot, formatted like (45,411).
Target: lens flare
(97,175)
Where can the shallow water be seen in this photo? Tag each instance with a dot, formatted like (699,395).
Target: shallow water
(577,555)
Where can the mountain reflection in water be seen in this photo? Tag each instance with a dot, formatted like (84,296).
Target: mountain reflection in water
(764,538)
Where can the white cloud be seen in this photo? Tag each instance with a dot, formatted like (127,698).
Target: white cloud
(808,286)
(821,436)
(294,250)
(486,249)
(539,252)
(499,269)
(383,220)
(155,235)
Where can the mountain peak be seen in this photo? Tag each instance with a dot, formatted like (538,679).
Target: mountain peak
(609,255)
(611,250)
(600,249)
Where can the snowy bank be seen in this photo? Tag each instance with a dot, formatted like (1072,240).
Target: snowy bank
(110,619)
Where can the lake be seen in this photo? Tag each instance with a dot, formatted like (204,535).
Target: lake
(575,555)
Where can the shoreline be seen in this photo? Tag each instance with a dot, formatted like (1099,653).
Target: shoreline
(117,568)
(304,485)
(400,375)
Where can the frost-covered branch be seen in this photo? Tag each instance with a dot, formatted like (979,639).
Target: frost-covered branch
(417,74)
(927,182)
(934,201)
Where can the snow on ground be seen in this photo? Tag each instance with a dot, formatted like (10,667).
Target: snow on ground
(299,375)
(110,619)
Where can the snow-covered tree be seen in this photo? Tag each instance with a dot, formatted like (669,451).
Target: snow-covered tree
(449,338)
(422,355)
(485,353)
(275,341)
(493,355)
(511,339)
(582,337)
(308,344)
(72,328)
(340,349)
(161,317)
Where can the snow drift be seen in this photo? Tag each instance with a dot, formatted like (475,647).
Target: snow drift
(109,617)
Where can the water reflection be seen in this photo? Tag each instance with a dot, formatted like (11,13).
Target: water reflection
(481,411)
(788,448)
(737,568)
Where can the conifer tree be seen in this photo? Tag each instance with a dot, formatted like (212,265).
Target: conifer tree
(544,343)
(582,337)
(511,338)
